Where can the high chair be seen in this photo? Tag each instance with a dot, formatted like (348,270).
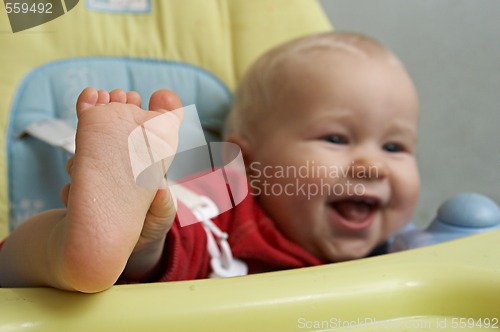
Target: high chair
(199,49)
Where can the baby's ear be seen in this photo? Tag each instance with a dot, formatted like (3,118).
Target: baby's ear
(243,144)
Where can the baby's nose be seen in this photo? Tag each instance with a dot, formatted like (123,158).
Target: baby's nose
(368,169)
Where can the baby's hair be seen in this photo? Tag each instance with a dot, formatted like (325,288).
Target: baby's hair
(253,94)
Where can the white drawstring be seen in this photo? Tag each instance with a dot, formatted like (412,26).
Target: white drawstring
(222,261)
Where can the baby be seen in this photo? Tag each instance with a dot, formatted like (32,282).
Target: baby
(327,125)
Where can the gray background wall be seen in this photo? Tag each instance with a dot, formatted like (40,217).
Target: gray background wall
(452,50)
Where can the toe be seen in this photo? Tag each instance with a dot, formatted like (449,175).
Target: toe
(103,97)
(134,98)
(164,100)
(88,98)
(69,166)
(64,194)
(118,96)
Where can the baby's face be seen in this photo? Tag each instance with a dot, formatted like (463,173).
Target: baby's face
(335,165)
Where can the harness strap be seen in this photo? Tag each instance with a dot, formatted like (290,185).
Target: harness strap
(55,132)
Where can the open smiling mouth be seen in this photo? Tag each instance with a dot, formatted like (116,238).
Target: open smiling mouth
(355,213)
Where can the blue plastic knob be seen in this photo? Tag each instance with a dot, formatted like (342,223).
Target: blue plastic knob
(469,210)
(462,215)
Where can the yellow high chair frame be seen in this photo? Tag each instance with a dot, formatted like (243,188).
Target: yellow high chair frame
(446,287)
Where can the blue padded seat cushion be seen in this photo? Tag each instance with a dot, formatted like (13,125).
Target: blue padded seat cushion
(37,170)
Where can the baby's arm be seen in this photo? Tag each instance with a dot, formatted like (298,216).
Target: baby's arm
(32,254)
(110,222)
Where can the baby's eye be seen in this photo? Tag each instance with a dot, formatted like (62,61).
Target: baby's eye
(336,139)
(393,147)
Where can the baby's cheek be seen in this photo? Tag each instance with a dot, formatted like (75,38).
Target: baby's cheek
(405,188)
(407,204)
(413,185)
(405,176)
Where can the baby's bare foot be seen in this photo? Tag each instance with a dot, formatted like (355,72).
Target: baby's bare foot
(108,213)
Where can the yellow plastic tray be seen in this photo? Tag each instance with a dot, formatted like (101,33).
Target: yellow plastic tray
(444,287)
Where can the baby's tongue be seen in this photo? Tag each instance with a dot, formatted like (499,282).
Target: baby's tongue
(353,211)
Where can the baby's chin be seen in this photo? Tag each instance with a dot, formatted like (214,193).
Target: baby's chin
(347,251)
